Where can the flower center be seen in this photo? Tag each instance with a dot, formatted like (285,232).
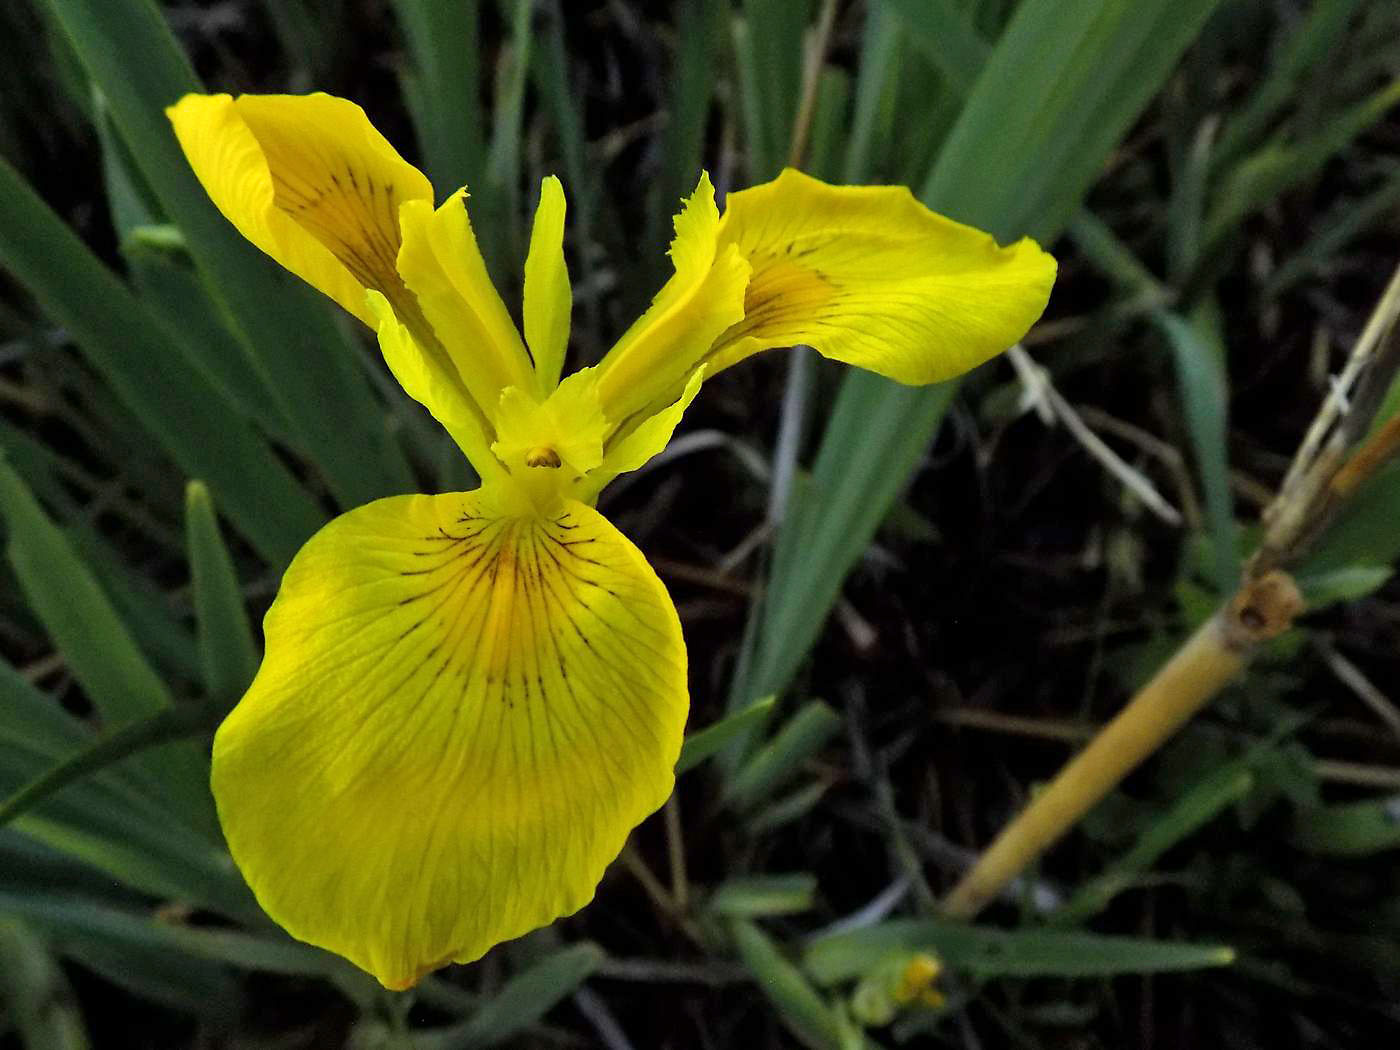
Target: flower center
(543,456)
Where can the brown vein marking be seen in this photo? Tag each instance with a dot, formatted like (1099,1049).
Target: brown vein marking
(355,218)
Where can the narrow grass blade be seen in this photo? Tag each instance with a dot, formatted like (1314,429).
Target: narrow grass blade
(755,896)
(104,823)
(129,52)
(108,750)
(707,742)
(830,115)
(39,1003)
(1274,168)
(775,32)
(94,642)
(226,648)
(800,1006)
(854,481)
(1356,829)
(174,295)
(983,952)
(880,51)
(30,719)
(148,613)
(443,88)
(700,35)
(504,236)
(124,928)
(526,998)
(941,29)
(1307,45)
(186,415)
(1335,230)
(1199,356)
(1197,806)
(777,761)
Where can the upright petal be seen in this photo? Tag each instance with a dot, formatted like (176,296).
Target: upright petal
(649,365)
(309,180)
(567,428)
(428,377)
(460,717)
(442,265)
(549,300)
(869,276)
(633,449)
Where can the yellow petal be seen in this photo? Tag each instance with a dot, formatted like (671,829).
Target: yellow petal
(430,379)
(649,365)
(869,276)
(309,180)
(549,300)
(442,265)
(459,719)
(634,449)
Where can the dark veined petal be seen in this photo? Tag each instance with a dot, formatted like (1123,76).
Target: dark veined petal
(460,717)
(309,180)
(869,276)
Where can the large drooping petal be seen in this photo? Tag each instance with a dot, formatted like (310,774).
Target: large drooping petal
(647,368)
(309,180)
(442,265)
(460,717)
(549,300)
(869,276)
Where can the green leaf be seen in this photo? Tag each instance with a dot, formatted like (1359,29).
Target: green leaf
(1364,533)
(771,79)
(38,1000)
(1199,804)
(983,952)
(780,759)
(526,998)
(1277,167)
(705,743)
(104,822)
(95,644)
(873,425)
(1199,354)
(1309,43)
(1346,584)
(135,355)
(175,296)
(128,929)
(226,648)
(443,88)
(755,896)
(942,31)
(1356,829)
(289,335)
(800,1006)
(109,749)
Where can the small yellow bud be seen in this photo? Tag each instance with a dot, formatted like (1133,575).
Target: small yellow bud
(916,980)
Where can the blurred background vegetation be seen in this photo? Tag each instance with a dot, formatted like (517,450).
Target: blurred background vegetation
(942,591)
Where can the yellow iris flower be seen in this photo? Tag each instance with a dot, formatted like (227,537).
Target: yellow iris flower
(468,700)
